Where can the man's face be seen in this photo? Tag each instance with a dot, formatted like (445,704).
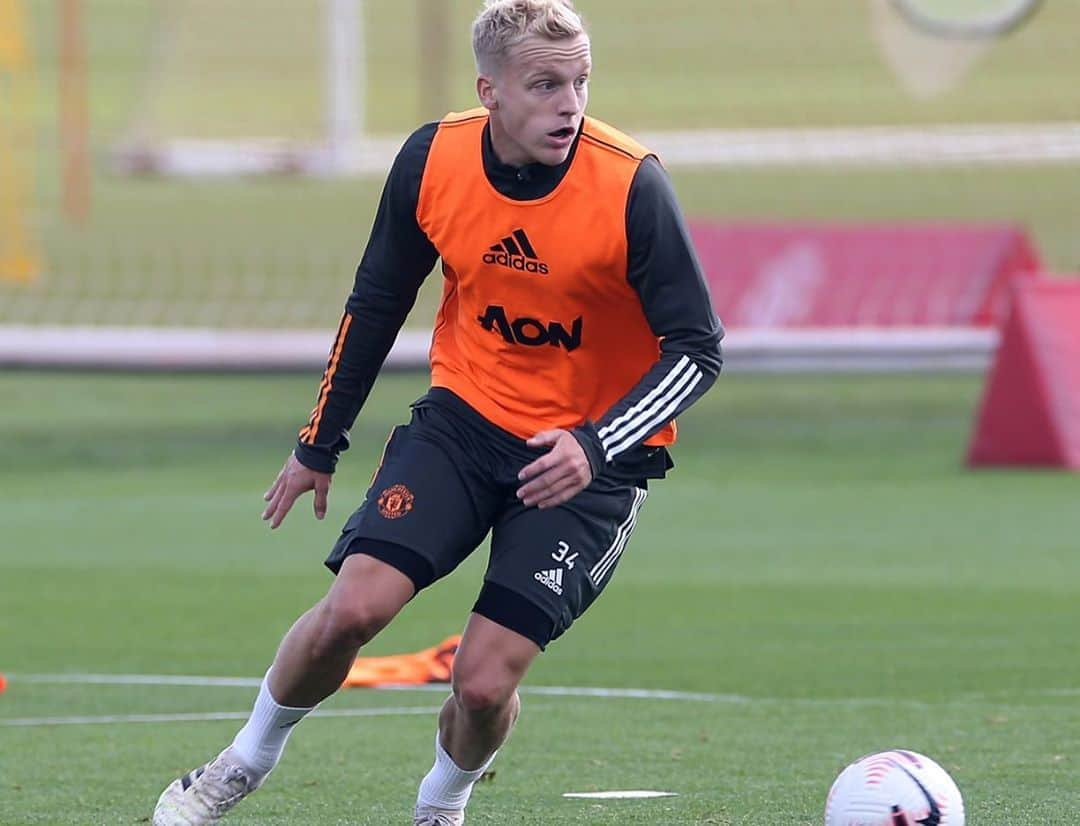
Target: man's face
(537,98)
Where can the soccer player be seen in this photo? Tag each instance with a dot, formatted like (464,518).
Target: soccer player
(575,325)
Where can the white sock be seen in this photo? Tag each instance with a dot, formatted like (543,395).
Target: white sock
(262,739)
(447,786)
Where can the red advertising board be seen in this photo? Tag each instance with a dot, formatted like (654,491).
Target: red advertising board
(808,275)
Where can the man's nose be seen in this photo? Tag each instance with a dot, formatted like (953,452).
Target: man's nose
(569,101)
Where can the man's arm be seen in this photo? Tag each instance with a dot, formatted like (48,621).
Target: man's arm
(397,260)
(395,263)
(664,270)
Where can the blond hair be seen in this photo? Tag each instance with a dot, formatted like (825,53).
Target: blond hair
(503,24)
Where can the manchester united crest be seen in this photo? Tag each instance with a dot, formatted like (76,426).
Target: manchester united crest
(395,502)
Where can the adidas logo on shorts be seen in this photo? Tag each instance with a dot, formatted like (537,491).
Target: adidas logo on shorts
(552,579)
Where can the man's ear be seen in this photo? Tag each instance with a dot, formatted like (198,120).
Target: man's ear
(485,90)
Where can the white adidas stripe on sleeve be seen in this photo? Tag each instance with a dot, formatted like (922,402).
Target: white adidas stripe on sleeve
(655,415)
(672,375)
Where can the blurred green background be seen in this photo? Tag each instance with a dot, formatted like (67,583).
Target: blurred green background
(280,251)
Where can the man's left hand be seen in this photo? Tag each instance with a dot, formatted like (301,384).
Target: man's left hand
(558,475)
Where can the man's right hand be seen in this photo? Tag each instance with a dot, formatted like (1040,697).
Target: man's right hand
(294,480)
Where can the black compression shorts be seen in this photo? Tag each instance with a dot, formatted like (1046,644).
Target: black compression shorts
(448,478)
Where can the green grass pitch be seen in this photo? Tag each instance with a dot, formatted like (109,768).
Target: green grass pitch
(820,563)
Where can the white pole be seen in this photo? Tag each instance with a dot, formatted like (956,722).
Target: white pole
(344,81)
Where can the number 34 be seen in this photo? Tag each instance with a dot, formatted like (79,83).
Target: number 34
(561,555)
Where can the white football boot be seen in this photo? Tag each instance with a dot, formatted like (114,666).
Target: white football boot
(204,795)
(430,816)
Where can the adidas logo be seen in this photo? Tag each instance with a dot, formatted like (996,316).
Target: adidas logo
(552,579)
(515,251)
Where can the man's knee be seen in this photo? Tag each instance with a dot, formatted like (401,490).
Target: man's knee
(345,623)
(489,665)
(483,692)
(364,598)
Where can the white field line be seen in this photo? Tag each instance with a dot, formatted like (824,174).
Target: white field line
(197,717)
(137,679)
(586,692)
(628,794)
(933,145)
(255,682)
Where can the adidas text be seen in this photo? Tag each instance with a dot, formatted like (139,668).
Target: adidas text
(516,262)
(516,252)
(552,579)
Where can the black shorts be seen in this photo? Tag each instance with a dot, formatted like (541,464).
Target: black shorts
(448,478)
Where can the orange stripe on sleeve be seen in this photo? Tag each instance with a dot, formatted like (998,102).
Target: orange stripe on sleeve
(309,433)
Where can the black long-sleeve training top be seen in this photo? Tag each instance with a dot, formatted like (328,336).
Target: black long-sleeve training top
(662,268)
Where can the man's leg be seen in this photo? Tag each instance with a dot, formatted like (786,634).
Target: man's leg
(546,568)
(476,719)
(311,664)
(315,655)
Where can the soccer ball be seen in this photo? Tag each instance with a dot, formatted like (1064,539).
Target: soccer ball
(894,788)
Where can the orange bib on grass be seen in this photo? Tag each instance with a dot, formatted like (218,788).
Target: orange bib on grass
(432,665)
